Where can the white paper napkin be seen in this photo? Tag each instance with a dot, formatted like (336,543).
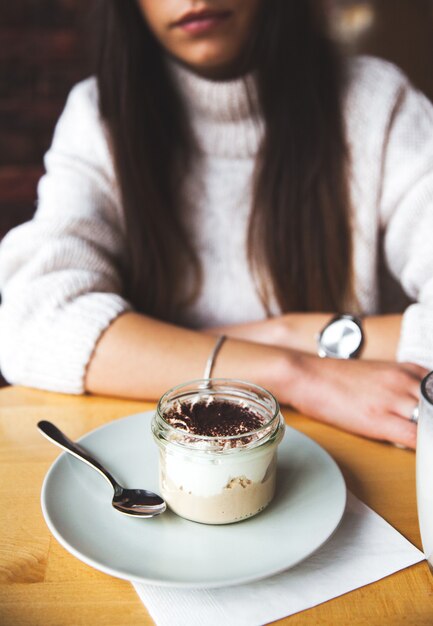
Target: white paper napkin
(365,548)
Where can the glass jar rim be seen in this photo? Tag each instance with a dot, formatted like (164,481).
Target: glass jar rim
(424,393)
(200,385)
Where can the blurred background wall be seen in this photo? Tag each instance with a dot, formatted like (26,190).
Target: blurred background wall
(41,57)
(43,52)
(398,30)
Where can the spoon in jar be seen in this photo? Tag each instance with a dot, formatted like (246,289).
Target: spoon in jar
(135,502)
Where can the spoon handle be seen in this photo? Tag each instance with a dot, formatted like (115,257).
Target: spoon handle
(55,435)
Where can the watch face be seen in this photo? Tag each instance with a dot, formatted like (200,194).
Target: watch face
(341,339)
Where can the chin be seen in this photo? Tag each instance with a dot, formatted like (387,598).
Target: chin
(209,58)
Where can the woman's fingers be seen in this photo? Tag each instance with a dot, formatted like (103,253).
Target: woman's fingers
(404,406)
(405,390)
(417,371)
(399,431)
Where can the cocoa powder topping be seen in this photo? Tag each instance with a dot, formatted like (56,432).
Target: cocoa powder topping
(213,419)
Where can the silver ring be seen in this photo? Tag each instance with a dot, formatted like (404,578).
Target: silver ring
(415,415)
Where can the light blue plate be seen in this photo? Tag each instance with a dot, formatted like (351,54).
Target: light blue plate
(171,551)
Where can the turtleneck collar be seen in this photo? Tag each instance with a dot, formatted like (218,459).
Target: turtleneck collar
(224,114)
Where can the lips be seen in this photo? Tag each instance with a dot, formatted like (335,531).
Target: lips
(199,20)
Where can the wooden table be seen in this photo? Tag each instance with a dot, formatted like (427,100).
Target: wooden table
(42,584)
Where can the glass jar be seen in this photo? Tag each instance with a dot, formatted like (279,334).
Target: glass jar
(424,467)
(218,479)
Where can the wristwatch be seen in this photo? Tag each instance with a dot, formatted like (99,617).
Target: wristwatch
(341,338)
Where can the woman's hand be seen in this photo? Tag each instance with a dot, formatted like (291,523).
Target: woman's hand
(373,399)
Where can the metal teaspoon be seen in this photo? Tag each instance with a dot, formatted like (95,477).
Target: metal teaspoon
(136,502)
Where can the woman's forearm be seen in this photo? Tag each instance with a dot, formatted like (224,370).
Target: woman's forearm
(299,331)
(382,334)
(140,357)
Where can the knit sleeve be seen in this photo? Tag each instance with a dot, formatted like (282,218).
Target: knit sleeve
(59,273)
(407,218)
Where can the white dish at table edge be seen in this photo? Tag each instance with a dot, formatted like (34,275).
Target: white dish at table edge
(171,551)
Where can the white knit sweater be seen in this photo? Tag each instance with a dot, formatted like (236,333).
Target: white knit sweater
(59,276)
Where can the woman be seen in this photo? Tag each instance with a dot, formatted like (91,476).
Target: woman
(226,173)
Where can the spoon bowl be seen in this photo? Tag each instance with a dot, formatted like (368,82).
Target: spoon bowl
(134,502)
(138,502)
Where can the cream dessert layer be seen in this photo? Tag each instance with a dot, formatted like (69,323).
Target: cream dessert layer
(239,499)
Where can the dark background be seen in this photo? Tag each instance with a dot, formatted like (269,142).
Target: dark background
(41,57)
(44,51)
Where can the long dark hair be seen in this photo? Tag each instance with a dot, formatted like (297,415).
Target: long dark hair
(299,240)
